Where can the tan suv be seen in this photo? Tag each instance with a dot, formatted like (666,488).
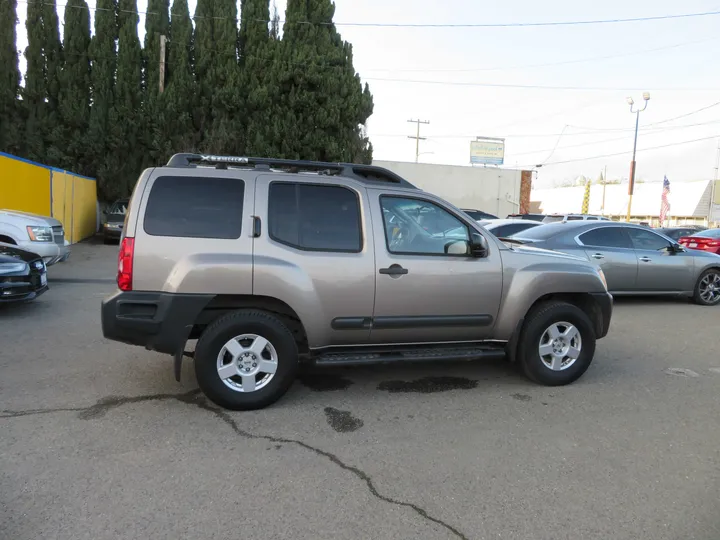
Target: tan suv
(271,262)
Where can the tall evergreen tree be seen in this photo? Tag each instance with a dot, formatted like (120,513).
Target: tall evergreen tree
(259,84)
(11,130)
(176,132)
(52,52)
(326,104)
(218,76)
(157,24)
(126,150)
(74,96)
(103,58)
(34,92)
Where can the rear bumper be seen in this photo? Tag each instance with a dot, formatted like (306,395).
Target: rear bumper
(604,302)
(157,321)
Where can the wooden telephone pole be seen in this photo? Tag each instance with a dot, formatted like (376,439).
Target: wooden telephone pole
(417,137)
(161,79)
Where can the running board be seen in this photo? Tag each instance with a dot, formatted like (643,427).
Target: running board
(364,357)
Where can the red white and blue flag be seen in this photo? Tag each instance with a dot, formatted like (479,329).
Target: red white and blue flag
(664,205)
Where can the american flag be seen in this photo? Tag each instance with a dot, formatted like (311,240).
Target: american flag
(665,205)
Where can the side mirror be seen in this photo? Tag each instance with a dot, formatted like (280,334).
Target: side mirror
(676,248)
(478,246)
(457,247)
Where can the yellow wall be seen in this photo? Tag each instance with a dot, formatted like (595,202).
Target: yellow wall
(717,192)
(27,186)
(24,186)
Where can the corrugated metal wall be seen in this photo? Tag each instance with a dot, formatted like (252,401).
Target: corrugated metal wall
(33,187)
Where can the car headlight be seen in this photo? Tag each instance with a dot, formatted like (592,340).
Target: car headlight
(12,268)
(602,277)
(40,234)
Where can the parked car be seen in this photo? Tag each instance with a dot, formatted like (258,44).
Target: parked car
(335,269)
(38,234)
(479,214)
(23,275)
(635,259)
(573,217)
(503,228)
(531,217)
(675,233)
(114,221)
(708,240)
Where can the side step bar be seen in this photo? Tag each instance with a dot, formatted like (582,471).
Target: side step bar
(365,357)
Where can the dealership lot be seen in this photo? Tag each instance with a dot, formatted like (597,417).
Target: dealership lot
(99,441)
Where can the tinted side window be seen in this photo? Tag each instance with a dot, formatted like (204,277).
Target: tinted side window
(606,237)
(195,207)
(647,240)
(506,230)
(574,218)
(314,217)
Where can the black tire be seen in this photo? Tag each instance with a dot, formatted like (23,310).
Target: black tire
(542,317)
(245,321)
(697,294)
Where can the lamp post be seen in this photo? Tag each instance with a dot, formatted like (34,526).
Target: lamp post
(631,185)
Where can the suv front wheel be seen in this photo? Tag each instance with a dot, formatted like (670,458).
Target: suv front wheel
(246,360)
(557,344)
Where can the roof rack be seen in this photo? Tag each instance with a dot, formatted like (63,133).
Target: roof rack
(363,173)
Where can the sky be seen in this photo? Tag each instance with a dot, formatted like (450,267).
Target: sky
(492,82)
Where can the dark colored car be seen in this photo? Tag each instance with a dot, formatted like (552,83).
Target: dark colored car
(114,221)
(477,215)
(23,275)
(678,232)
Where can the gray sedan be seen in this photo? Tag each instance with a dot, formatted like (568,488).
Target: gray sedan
(636,260)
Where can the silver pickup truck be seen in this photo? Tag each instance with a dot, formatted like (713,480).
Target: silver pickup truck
(34,233)
(270,262)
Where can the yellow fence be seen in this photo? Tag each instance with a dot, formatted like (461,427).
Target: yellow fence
(36,188)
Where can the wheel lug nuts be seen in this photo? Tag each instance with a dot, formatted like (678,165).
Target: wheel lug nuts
(254,365)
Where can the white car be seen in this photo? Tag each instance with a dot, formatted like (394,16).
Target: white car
(573,217)
(38,234)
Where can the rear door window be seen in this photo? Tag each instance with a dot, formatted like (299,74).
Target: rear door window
(195,207)
(314,217)
(613,237)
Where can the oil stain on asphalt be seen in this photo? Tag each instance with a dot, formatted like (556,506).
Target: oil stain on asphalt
(428,385)
(342,421)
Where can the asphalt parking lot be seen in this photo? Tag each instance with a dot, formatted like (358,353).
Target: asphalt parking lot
(98,441)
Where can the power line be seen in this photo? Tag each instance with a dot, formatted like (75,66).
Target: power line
(442,25)
(627,152)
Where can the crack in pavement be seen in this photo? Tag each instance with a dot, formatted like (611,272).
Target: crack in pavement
(191,398)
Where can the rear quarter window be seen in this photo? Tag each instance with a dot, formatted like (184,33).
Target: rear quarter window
(195,207)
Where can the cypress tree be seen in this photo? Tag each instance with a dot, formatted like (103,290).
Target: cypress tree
(326,106)
(52,52)
(257,50)
(218,76)
(103,58)
(10,118)
(74,95)
(35,90)
(176,132)
(126,151)
(157,24)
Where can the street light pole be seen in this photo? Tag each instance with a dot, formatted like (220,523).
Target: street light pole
(631,184)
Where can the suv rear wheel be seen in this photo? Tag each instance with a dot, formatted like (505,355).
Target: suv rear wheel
(246,360)
(557,344)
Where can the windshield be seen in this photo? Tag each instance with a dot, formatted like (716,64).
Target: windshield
(118,207)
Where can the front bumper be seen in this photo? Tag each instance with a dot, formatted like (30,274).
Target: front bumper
(112,233)
(157,321)
(18,289)
(50,252)
(604,302)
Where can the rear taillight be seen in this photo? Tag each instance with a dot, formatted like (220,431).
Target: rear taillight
(714,243)
(125,264)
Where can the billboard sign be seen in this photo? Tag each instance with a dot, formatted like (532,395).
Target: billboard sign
(487,151)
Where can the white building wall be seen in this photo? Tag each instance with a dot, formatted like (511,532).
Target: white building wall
(492,190)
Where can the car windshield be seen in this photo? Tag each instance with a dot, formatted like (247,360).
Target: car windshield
(118,207)
(709,233)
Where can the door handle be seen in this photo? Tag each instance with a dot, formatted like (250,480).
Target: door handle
(645,259)
(394,270)
(598,256)
(257,227)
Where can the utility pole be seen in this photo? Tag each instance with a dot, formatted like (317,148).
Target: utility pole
(417,136)
(161,79)
(714,184)
(604,186)
(631,184)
